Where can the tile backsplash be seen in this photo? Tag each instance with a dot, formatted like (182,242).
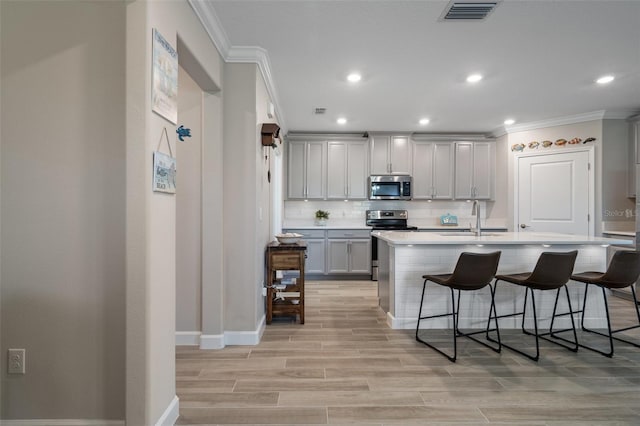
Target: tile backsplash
(422,213)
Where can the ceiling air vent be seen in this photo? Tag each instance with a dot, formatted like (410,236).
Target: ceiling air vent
(319,111)
(461,10)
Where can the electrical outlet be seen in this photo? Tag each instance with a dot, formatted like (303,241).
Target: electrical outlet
(16,361)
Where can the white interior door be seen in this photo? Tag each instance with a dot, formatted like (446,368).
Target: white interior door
(555,193)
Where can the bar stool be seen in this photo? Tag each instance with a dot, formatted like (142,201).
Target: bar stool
(552,272)
(473,271)
(623,271)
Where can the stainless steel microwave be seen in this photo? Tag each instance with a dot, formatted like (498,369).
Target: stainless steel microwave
(389,187)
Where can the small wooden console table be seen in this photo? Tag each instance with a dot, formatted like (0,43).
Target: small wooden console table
(290,299)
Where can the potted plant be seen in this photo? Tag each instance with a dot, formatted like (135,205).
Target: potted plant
(322,217)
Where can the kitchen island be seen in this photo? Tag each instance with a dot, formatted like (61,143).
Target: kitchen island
(404,257)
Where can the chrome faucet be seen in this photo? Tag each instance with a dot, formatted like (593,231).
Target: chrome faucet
(475,211)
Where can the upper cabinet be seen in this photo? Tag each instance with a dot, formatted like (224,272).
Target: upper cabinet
(433,166)
(474,170)
(307,169)
(390,155)
(347,170)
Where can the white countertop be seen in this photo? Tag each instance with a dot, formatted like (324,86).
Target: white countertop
(517,238)
(622,233)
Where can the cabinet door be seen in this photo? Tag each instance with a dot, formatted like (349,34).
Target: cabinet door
(443,167)
(380,155)
(400,155)
(360,256)
(423,170)
(337,166)
(483,170)
(315,263)
(296,184)
(338,254)
(315,169)
(464,170)
(357,170)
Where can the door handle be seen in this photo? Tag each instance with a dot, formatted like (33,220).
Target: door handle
(522,225)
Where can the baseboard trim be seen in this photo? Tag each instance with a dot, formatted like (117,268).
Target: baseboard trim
(62,422)
(170,415)
(212,341)
(219,341)
(188,338)
(245,338)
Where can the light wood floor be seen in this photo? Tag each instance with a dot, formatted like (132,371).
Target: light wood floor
(345,366)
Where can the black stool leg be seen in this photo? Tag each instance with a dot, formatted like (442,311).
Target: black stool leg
(455,325)
(552,333)
(609,335)
(523,313)
(611,332)
(470,335)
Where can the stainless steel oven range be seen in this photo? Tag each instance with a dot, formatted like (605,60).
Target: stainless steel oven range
(385,220)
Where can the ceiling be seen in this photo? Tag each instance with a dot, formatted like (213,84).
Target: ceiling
(539,60)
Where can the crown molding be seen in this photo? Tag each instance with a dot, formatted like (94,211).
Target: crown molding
(559,121)
(620,114)
(212,26)
(452,137)
(238,54)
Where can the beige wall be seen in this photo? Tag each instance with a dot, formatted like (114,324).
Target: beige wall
(615,168)
(63,208)
(246,201)
(189,207)
(239,202)
(151,217)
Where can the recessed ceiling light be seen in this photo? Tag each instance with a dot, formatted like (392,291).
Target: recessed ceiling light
(354,77)
(509,121)
(605,79)
(474,78)
(423,121)
(341,120)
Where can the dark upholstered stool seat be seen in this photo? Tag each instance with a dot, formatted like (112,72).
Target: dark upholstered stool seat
(552,272)
(623,271)
(473,272)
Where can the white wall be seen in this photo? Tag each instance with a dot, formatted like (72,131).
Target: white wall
(63,208)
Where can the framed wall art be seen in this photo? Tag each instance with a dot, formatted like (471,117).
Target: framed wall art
(164,168)
(164,90)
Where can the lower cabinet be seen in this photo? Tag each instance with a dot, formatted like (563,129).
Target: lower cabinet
(316,249)
(337,251)
(349,252)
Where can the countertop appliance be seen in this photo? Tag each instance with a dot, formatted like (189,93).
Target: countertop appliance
(389,187)
(385,220)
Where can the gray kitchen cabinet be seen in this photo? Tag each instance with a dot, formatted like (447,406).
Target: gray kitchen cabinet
(307,162)
(347,170)
(433,167)
(348,252)
(474,170)
(390,154)
(316,249)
